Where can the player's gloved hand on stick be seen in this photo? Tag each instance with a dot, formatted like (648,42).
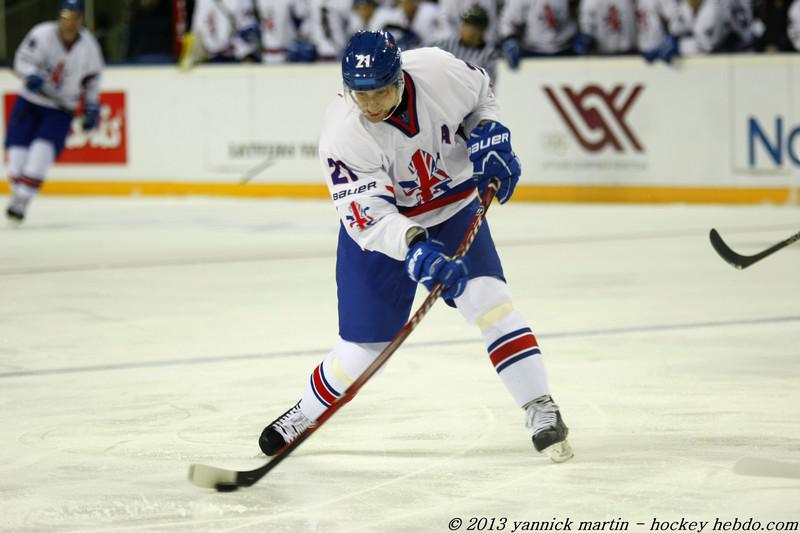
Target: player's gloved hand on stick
(91,116)
(34,83)
(489,148)
(427,263)
(511,53)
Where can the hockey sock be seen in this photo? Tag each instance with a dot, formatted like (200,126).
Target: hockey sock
(513,349)
(517,358)
(335,373)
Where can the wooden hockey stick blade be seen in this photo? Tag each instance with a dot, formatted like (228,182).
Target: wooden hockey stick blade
(743,261)
(223,480)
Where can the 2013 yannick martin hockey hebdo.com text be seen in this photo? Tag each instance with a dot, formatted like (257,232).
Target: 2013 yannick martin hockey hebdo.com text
(484,523)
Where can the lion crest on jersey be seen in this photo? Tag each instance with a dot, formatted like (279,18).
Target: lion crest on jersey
(431,181)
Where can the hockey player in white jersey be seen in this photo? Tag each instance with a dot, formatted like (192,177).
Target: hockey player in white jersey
(414,22)
(722,26)
(606,27)
(280,20)
(404,151)
(227,30)
(538,27)
(661,23)
(326,27)
(60,64)
(694,27)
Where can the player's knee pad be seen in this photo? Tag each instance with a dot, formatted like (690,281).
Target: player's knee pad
(485,301)
(349,359)
(41,155)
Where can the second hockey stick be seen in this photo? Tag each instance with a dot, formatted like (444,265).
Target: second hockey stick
(224,480)
(743,261)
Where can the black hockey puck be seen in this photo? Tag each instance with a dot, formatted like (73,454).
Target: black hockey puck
(226,487)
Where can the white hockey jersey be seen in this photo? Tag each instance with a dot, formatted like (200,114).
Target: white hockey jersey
(612,24)
(69,72)
(719,25)
(549,25)
(279,21)
(217,23)
(327,26)
(659,18)
(793,24)
(411,169)
(427,22)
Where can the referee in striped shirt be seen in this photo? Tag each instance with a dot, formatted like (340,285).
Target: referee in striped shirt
(470,45)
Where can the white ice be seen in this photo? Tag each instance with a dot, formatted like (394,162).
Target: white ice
(138,336)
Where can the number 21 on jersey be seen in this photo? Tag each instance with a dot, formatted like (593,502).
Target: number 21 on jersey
(340,173)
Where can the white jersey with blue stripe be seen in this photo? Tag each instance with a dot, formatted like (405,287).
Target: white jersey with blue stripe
(68,70)
(411,169)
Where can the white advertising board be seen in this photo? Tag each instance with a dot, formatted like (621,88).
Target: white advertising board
(721,122)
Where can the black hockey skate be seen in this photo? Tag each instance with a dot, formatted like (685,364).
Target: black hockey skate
(14,215)
(549,431)
(283,430)
(15,212)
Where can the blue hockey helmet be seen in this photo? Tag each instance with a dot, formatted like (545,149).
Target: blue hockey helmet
(371,61)
(72,5)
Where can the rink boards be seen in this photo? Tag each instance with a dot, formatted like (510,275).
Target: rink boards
(719,129)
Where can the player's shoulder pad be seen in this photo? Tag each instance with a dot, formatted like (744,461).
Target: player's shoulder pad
(49,27)
(344,134)
(431,62)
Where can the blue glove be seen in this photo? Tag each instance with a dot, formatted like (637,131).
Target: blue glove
(34,83)
(512,53)
(650,55)
(251,34)
(489,148)
(301,52)
(427,263)
(583,44)
(91,116)
(668,49)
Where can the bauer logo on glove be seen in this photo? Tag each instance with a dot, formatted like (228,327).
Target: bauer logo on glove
(483,143)
(489,149)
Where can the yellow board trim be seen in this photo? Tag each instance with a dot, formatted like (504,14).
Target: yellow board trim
(526,193)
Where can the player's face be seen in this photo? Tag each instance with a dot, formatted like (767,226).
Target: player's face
(377,104)
(471,35)
(69,24)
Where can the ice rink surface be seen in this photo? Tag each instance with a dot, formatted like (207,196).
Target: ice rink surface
(138,336)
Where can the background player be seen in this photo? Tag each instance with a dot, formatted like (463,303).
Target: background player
(60,63)
(402,164)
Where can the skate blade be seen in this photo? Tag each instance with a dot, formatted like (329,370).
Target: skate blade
(560,452)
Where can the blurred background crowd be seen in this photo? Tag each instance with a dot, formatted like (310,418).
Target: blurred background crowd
(276,31)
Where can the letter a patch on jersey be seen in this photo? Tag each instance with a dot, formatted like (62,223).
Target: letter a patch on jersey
(431,181)
(360,219)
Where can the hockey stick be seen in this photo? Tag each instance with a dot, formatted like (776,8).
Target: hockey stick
(743,261)
(255,171)
(229,480)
